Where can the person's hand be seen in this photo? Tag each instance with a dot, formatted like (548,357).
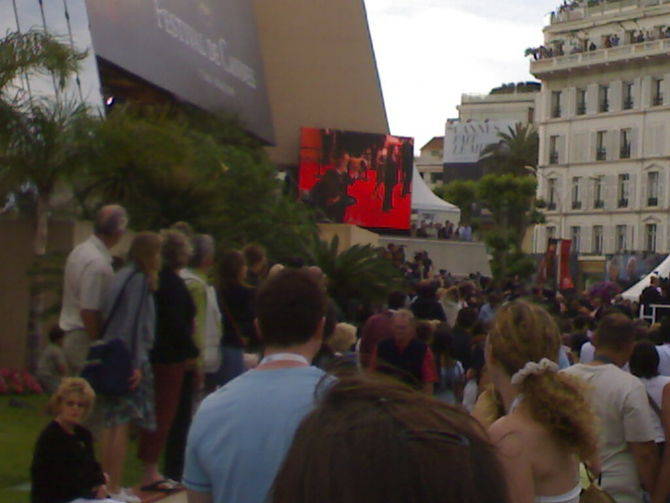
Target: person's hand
(135,379)
(199,380)
(101,492)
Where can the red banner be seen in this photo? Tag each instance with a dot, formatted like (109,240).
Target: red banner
(565,280)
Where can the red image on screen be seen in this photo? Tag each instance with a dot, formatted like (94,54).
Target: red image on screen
(357,178)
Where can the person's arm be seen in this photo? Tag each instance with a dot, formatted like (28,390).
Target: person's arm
(198,497)
(428,372)
(94,283)
(646,461)
(662,489)
(517,467)
(92,322)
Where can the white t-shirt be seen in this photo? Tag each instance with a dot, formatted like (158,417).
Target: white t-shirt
(88,271)
(587,352)
(621,404)
(654,388)
(664,359)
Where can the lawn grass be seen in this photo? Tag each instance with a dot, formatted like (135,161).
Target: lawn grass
(19,429)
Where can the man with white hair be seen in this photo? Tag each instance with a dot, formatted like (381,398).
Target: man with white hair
(88,270)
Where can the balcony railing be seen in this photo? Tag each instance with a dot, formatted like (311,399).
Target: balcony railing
(604,106)
(652,201)
(622,203)
(601,154)
(627,103)
(605,56)
(576,205)
(599,204)
(555,112)
(625,151)
(587,8)
(553,158)
(581,108)
(551,206)
(657,100)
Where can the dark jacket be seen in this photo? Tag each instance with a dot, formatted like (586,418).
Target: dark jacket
(237,302)
(64,466)
(175,312)
(406,366)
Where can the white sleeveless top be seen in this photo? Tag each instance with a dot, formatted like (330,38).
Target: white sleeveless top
(571,496)
(655,387)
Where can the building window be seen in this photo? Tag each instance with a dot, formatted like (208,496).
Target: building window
(551,232)
(623,190)
(576,237)
(621,233)
(576,196)
(603,98)
(652,188)
(657,92)
(556,104)
(553,150)
(627,95)
(650,238)
(581,101)
(624,151)
(598,201)
(551,194)
(597,239)
(601,151)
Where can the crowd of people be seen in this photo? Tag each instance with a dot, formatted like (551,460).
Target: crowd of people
(247,382)
(437,230)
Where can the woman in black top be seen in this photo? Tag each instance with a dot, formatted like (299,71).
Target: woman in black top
(236,300)
(173,355)
(64,467)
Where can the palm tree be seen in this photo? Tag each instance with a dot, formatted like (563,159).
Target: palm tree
(516,153)
(39,138)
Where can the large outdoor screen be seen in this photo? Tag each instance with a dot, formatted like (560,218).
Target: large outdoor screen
(358,178)
(203,51)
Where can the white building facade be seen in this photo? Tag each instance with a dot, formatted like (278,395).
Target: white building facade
(604,125)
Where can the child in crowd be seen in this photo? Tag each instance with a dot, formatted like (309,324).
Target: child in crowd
(52,366)
(64,468)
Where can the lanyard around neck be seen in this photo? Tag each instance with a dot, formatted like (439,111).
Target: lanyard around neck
(282,357)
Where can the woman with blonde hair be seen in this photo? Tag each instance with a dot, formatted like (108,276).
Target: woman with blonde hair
(130,316)
(549,424)
(64,467)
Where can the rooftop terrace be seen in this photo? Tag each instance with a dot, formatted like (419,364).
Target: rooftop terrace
(580,9)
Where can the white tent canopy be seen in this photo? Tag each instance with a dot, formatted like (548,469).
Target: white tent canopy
(425,202)
(663,270)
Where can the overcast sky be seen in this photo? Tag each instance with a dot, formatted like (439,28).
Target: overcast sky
(429,52)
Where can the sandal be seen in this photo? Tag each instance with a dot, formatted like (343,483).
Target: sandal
(162,486)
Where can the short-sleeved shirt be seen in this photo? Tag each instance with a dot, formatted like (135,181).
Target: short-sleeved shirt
(621,404)
(664,359)
(241,433)
(88,271)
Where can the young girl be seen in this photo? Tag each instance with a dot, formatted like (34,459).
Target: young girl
(549,425)
(64,467)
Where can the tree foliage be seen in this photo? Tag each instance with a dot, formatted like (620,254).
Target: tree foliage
(358,274)
(462,193)
(167,166)
(516,153)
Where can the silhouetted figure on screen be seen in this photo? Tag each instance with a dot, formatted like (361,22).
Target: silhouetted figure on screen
(330,193)
(390,177)
(407,158)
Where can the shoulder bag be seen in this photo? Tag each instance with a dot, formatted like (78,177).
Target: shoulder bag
(109,364)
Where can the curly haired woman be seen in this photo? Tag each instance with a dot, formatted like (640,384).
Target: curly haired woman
(549,425)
